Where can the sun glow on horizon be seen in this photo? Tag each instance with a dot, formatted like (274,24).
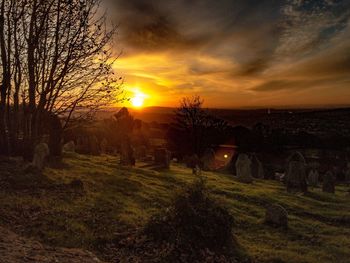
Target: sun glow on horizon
(138,99)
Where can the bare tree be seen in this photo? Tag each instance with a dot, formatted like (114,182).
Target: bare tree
(194,128)
(57,55)
(190,117)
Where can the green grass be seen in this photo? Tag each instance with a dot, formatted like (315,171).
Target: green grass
(118,199)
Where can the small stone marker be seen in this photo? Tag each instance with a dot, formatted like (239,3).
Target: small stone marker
(69,147)
(276,215)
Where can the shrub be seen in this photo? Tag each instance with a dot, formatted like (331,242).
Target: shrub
(197,228)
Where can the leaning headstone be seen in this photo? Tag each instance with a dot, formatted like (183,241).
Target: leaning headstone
(295,178)
(243,169)
(257,168)
(329,180)
(41,152)
(69,147)
(313,178)
(162,158)
(276,215)
(208,160)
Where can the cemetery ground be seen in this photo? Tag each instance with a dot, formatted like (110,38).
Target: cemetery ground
(92,203)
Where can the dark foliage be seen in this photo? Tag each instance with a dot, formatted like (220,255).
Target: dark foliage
(194,129)
(197,228)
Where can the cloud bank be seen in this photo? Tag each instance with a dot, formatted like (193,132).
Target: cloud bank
(237,53)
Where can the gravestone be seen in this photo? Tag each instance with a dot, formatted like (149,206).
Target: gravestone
(276,215)
(69,147)
(126,153)
(347,173)
(141,152)
(295,178)
(94,147)
(329,180)
(104,146)
(243,169)
(208,160)
(80,146)
(162,158)
(41,153)
(257,167)
(313,178)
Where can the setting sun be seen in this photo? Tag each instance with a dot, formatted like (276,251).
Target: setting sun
(138,100)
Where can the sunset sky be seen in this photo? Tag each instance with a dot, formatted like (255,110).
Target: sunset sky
(235,53)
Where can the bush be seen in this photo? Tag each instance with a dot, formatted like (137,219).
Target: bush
(197,228)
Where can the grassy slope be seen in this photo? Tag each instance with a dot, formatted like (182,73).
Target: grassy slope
(119,198)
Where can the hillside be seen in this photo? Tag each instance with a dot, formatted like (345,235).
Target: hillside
(14,248)
(115,201)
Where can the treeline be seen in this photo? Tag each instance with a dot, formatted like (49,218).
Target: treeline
(55,66)
(195,129)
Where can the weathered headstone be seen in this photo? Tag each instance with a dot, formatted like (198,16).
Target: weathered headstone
(208,160)
(162,158)
(347,174)
(141,152)
(81,145)
(257,167)
(276,215)
(94,147)
(329,180)
(104,146)
(126,153)
(69,147)
(313,178)
(41,152)
(243,169)
(295,178)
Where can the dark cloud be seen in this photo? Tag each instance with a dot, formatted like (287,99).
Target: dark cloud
(146,26)
(278,85)
(253,68)
(280,44)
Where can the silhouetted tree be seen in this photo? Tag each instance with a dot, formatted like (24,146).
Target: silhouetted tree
(194,129)
(56,55)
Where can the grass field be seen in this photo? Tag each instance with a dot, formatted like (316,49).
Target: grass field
(117,199)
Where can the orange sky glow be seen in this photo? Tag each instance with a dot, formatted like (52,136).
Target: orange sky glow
(235,54)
